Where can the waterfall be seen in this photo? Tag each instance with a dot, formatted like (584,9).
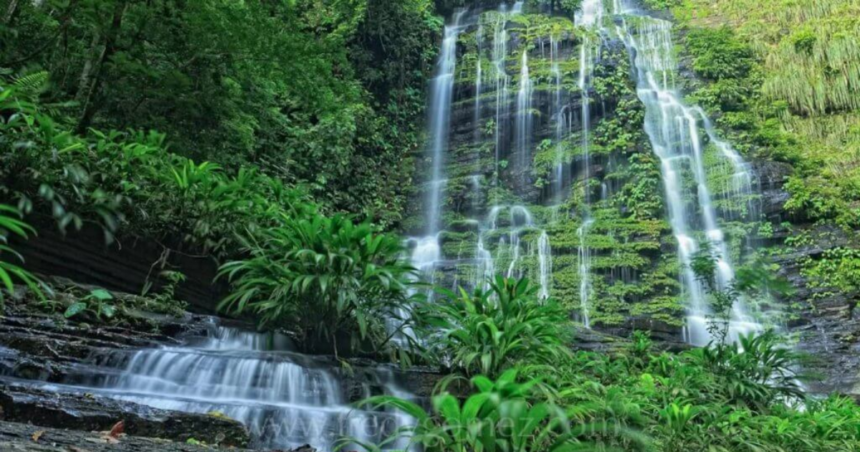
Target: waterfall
(427,251)
(677,139)
(590,18)
(544,265)
(284,399)
(520,220)
(479,75)
(504,251)
(561,124)
(501,81)
(524,114)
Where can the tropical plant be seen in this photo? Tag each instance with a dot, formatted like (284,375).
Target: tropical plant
(99,302)
(490,330)
(501,415)
(756,370)
(129,181)
(11,224)
(324,279)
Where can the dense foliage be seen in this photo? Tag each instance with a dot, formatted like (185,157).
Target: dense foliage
(315,92)
(785,96)
(128,180)
(724,397)
(502,414)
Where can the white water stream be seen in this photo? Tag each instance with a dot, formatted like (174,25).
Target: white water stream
(679,135)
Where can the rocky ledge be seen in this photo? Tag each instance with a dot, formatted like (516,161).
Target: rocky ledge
(26,403)
(16,437)
(40,349)
(56,376)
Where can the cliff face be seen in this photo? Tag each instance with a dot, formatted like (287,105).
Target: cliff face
(534,153)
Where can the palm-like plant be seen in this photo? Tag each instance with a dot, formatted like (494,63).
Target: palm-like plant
(10,224)
(756,370)
(488,331)
(324,279)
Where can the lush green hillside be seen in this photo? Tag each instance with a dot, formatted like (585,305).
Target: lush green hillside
(795,100)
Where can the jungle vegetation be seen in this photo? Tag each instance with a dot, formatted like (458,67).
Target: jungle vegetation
(279,138)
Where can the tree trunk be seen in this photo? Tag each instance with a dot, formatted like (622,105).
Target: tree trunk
(91,79)
(86,73)
(10,11)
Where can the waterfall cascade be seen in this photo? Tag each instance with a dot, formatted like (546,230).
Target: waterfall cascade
(285,399)
(590,18)
(536,105)
(498,248)
(677,133)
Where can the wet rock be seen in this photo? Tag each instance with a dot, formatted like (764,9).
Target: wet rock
(305,448)
(824,321)
(88,412)
(771,178)
(597,341)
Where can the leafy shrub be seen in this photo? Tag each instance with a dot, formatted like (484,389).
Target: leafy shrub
(98,303)
(324,279)
(489,331)
(757,370)
(718,54)
(500,415)
(661,4)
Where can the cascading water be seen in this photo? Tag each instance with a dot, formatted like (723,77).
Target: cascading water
(677,139)
(562,124)
(479,79)
(494,250)
(524,113)
(284,399)
(427,251)
(545,265)
(591,19)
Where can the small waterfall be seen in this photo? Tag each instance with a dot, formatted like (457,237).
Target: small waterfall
(501,80)
(563,126)
(676,137)
(285,399)
(591,18)
(544,265)
(227,338)
(520,219)
(427,251)
(524,114)
(479,75)
(584,272)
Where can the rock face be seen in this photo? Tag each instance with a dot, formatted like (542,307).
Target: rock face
(127,265)
(824,320)
(546,174)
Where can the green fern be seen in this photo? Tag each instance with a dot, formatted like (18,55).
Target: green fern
(32,84)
